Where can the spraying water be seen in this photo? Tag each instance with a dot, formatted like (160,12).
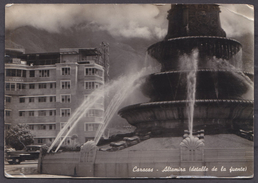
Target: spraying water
(190,65)
(123,86)
(87,104)
(118,98)
(221,64)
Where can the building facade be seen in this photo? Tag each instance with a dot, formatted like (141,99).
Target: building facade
(43,90)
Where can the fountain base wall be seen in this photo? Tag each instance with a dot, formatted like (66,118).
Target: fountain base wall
(151,163)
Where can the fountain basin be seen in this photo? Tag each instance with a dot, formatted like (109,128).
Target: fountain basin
(211,84)
(171,117)
(172,49)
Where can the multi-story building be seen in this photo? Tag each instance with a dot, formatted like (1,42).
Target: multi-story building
(43,90)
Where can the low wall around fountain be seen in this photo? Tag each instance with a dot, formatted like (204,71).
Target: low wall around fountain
(153,163)
(60,163)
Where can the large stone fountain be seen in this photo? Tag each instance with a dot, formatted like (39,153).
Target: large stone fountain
(223,92)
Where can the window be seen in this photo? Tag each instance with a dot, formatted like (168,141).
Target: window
(10,72)
(21,86)
(62,124)
(8,99)
(66,71)
(52,99)
(89,71)
(22,100)
(94,113)
(65,84)
(7,86)
(31,86)
(42,113)
(65,112)
(40,141)
(52,85)
(43,73)
(93,71)
(52,127)
(7,113)
(42,99)
(52,113)
(90,126)
(31,127)
(31,99)
(15,73)
(65,98)
(42,127)
(89,85)
(23,73)
(31,113)
(21,113)
(42,85)
(32,73)
(12,87)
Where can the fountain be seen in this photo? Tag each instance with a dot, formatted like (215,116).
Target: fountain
(194,52)
(202,88)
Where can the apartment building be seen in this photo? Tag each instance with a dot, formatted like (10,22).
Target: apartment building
(43,90)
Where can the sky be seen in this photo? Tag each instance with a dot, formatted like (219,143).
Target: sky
(128,21)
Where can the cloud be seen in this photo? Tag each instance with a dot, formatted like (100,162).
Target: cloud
(123,20)
(237,19)
(134,20)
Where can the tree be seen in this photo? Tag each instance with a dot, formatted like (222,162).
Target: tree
(18,136)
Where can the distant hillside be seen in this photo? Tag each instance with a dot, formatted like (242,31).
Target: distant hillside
(124,54)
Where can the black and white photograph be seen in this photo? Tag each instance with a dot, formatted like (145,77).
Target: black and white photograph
(129,91)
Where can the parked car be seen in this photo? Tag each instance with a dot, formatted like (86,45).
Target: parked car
(30,152)
(248,134)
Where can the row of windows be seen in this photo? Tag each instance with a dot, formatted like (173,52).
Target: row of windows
(64,99)
(88,85)
(39,99)
(22,73)
(20,86)
(87,126)
(45,73)
(91,85)
(91,127)
(63,113)
(37,113)
(15,73)
(94,113)
(42,127)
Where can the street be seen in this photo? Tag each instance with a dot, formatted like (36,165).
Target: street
(27,169)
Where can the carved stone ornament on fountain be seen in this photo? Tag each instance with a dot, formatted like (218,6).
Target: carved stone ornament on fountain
(192,149)
(88,152)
